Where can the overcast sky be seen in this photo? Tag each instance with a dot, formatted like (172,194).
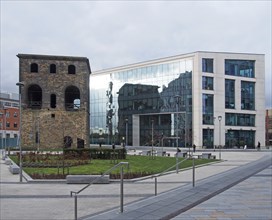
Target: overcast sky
(114,33)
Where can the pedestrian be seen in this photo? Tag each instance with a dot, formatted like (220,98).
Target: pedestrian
(259,146)
(194,147)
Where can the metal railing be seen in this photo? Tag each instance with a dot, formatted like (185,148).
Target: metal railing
(121,165)
(177,170)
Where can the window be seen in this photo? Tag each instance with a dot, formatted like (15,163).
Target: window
(207,109)
(15,125)
(71,69)
(207,65)
(15,115)
(233,119)
(229,94)
(72,98)
(34,97)
(67,141)
(244,68)
(53,101)
(207,83)
(34,68)
(247,95)
(7,124)
(53,68)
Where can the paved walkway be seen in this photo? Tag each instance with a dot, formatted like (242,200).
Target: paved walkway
(42,201)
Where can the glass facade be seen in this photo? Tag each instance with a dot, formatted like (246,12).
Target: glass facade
(233,119)
(208,140)
(207,109)
(229,94)
(240,138)
(244,68)
(159,95)
(247,95)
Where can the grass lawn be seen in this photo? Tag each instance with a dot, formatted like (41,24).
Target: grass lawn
(141,165)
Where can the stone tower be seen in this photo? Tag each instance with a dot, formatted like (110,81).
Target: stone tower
(55,101)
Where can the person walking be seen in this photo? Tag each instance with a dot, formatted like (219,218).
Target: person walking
(259,146)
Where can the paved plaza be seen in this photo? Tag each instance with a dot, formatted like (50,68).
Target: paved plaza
(239,187)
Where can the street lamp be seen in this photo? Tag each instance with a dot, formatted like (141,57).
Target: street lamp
(126,132)
(219,119)
(152,125)
(20,84)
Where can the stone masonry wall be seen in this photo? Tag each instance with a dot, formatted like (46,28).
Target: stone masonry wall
(53,124)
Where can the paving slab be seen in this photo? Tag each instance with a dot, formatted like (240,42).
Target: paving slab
(44,200)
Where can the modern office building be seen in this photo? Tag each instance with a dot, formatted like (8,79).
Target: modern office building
(204,98)
(9,119)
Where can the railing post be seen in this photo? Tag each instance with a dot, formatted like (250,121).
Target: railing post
(177,165)
(75,205)
(193,172)
(155,186)
(121,189)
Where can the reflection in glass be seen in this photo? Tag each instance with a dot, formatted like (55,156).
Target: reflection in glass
(151,92)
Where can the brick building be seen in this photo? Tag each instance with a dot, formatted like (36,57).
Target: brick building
(55,101)
(9,119)
(268,127)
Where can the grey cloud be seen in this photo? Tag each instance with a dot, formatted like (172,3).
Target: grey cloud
(113,33)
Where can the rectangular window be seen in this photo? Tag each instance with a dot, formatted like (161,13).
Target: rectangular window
(243,68)
(207,65)
(207,109)
(207,83)
(233,119)
(247,95)
(229,94)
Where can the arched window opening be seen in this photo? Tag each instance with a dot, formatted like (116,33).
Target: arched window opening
(34,68)
(53,68)
(71,69)
(67,142)
(72,98)
(35,97)
(53,101)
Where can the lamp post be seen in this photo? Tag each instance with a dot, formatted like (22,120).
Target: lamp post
(20,84)
(126,132)
(152,126)
(219,119)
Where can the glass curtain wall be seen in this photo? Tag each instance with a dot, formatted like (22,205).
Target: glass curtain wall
(240,138)
(159,93)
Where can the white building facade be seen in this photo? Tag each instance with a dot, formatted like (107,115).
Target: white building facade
(209,99)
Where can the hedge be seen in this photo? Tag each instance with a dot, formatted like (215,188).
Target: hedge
(96,153)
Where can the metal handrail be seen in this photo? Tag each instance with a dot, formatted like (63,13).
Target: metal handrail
(170,168)
(176,165)
(75,193)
